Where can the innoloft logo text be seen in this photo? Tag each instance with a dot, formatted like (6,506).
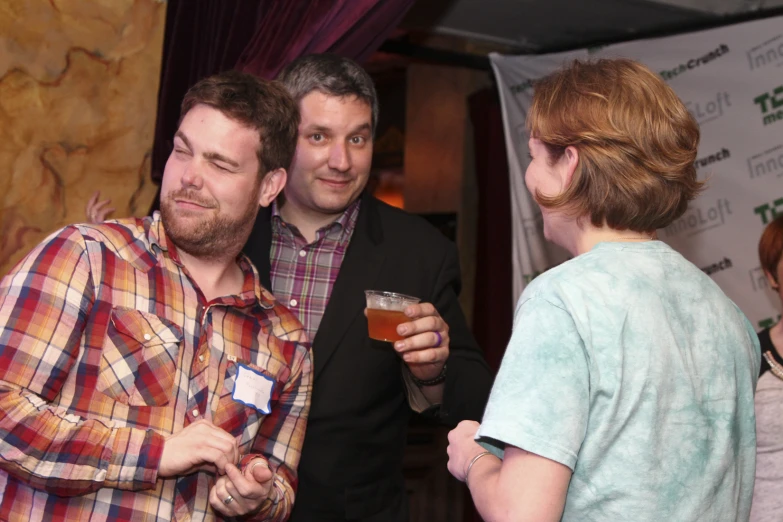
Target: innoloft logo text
(771,105)
(758,281)
(693,63)
(767,53)
(709,109)
(723,264)
(722,154)
(769,211)
(767,162)
(700,219)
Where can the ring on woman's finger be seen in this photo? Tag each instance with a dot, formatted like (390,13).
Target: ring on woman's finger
(228,500)
(440,339)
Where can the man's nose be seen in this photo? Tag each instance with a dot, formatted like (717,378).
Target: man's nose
(192,177)
(339,157)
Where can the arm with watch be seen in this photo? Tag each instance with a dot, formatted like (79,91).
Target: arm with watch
(445,371)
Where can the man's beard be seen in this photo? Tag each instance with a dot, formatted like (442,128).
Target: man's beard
(214,237)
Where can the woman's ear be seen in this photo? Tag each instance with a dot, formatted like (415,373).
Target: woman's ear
(771,280)
(570,160)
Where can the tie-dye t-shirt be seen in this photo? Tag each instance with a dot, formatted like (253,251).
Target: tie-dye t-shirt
(630,366)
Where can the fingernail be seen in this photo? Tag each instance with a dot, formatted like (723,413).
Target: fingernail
(402,330)
(399,345)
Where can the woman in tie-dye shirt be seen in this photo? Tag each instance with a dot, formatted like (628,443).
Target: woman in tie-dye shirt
(626,391)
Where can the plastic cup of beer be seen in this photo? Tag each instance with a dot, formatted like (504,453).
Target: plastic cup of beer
(385,311)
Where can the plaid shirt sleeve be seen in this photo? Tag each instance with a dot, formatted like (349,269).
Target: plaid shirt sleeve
(45,306)
(281,435)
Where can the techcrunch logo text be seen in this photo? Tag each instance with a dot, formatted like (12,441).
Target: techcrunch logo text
(771,105)
(723,264)
(521,87)
(769,211)
(699,219)
(721,155)
(769,161)
(767,53)
(693,63)
(709,109)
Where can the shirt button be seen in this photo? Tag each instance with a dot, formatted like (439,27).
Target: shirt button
(196,413)
(201,358)
(302,253)
(292,302)
(147,337)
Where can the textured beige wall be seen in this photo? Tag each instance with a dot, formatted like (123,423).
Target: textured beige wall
(78,94)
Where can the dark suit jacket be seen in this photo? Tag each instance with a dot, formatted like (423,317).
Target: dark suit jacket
(351,465)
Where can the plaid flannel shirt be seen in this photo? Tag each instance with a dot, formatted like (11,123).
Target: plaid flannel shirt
(106,347)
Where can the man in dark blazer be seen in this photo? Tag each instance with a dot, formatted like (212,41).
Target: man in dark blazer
(363,390)
(318,248)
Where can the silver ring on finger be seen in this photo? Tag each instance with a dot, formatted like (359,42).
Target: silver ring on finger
(228,500)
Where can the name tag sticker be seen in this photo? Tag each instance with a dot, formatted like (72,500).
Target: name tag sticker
(253,388)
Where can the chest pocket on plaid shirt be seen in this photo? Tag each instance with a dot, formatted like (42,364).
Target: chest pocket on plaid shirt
(139,359)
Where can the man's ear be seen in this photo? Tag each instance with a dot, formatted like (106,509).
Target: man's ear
(271,186)
(570,161)
(771,280)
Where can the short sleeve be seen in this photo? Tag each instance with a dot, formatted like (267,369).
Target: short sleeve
(540,399)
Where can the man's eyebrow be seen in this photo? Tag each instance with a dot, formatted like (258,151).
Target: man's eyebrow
(213,156)
(181,135)
(326,130)
(362,127)
(219,157)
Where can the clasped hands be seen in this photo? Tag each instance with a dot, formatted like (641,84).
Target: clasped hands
(202,446)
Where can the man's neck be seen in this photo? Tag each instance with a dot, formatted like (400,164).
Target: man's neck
(215,277)
(308,223)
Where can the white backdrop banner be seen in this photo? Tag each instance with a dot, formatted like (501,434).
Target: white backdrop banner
(731,80)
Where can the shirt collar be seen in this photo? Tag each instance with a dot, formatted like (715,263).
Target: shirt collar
(252,290)
(344,224)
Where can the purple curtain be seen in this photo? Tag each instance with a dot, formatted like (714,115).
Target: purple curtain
(201,38)
(287,30)
(209,36)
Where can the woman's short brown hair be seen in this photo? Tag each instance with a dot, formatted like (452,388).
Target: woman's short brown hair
(636,140)
(771,247)
(265,106)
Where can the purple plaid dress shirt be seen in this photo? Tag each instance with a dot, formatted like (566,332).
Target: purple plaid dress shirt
(303,274)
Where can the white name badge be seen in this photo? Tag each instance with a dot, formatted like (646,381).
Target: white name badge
(253,388)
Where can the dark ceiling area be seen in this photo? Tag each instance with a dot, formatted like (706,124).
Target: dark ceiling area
(462,32)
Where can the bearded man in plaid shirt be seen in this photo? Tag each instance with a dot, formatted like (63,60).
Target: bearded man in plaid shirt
(145,373)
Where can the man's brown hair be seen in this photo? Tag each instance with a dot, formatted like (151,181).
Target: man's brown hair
(262,105)
(636,140)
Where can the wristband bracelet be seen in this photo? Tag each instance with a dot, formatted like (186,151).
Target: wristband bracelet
(467,472)
(430,382)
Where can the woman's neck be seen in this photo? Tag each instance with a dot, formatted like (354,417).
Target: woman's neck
(588,236)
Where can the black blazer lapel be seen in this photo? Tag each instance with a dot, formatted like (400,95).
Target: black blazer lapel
(259,245)
(359,270)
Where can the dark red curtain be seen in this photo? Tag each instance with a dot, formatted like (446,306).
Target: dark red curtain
(209,36)
(493,307)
